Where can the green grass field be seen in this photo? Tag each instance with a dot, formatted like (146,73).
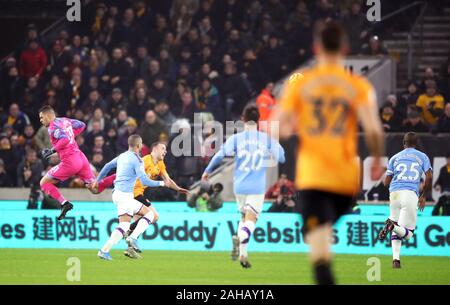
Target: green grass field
(48,266)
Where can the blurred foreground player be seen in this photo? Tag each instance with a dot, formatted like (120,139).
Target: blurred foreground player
(323,106)
(403,175)
(62,132)
(254,152)
(129,167)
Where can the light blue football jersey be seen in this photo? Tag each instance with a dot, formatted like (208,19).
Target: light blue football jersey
(254,152)
(407,167)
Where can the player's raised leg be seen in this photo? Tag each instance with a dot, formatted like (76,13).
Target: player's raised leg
(56,174)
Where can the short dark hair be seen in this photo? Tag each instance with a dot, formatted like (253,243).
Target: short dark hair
(46,109)
(251,113)
(410,139)
(154,144)
(331,36)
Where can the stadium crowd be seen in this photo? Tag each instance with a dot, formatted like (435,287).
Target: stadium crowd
(145,66)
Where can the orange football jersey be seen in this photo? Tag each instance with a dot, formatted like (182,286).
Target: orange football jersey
(325,102)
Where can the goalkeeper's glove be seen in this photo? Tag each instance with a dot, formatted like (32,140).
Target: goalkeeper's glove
(47,153)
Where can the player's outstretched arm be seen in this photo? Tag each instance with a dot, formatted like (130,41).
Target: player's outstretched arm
(106,169)
(172,184)
(277,151)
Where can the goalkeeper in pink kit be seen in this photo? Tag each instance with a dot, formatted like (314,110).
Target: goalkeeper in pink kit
(62,132)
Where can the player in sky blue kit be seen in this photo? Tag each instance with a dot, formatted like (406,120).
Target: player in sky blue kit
(129,167)
(403,175)
(254,152)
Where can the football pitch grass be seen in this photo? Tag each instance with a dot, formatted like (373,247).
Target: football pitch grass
(49,266)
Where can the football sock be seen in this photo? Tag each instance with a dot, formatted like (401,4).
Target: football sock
(134,224)
(244,235)
(52,190)
(241,223)
(396,243)
(403,232)
(116,236)
(322,272)
(142,224)
(106,182)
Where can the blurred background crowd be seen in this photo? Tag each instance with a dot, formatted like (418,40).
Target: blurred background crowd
(146,66)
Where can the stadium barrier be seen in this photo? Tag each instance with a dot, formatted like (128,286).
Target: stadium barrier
(353,234)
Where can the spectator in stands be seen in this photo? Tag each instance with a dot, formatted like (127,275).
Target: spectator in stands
(252,71)
(414,123)
(431,104)
(7,155)
(187,106)
(207,99)
(93,102)
(265,102)
(99,117)
(282,191)
(29,170)
(5,179)
(42,138)
(16,118)
(181,20)
(98,161)
(443,123)
(442,183)
(374,48)
(10,86)
(127,30)
(122,138)
(152,129)
(59,59)
(96,130)
(116,102)
(163,112)
(76,89)
(356,25)
(117,71)
(430,79)
(274,58)
(159,90)
(232,90)
(33,61)
(27,139)
(389,119)
(140,104)
(409,98)
(101,147)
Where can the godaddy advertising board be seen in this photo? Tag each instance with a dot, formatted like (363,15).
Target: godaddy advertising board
(212,232)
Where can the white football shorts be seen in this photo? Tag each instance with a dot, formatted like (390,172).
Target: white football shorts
(253,203)
(403,205)
(125,203)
